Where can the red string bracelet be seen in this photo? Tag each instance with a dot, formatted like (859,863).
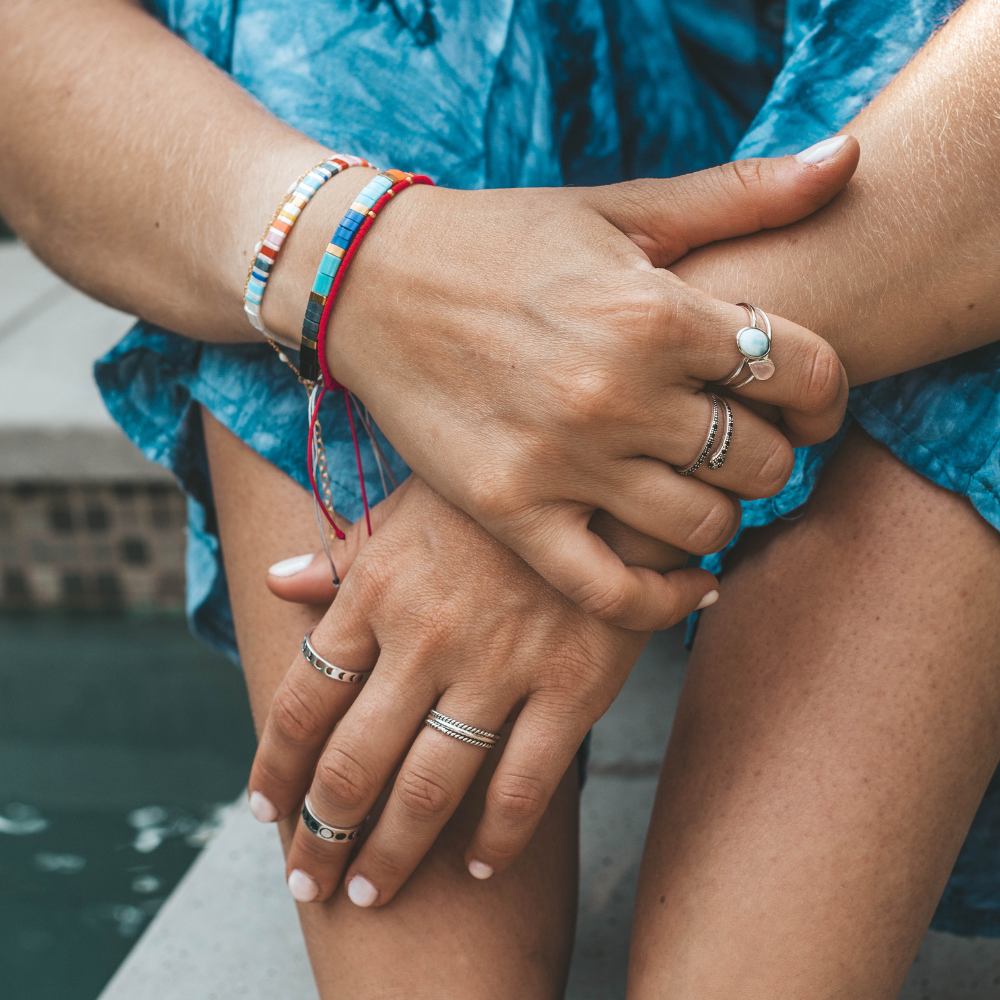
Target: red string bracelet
(329,382)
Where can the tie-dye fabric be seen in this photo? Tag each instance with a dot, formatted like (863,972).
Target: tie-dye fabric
(550,92)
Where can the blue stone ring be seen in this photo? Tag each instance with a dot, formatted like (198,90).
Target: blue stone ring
(754,344)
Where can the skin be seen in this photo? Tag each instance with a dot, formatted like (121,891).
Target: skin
(576,311)
(966,228)
(833,739)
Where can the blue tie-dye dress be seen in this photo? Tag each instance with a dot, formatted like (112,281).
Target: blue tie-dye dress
(550,92)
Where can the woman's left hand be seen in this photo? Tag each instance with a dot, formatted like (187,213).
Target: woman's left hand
(455,622)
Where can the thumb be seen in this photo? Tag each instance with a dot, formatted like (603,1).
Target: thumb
(308,579)
(667,218)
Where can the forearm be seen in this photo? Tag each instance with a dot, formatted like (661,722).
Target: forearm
(142,173)
(902,268)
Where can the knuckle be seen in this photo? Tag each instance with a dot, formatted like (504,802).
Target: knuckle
(608,601)
(824,379)
(587,393)
(422,794)
(295,721)
(520,798)
(343,780)
(713,528)
(380,859)
(775,469)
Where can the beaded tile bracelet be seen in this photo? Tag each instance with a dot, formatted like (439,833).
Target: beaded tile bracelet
(330,276)
(326,273)
(266,252)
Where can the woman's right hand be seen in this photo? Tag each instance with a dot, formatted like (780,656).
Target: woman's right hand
(528,356)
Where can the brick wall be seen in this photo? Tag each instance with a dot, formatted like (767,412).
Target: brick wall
(92,547)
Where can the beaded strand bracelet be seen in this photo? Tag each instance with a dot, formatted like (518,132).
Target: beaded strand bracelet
(266,252)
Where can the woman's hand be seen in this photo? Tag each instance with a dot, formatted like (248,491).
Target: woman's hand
(459,623)
(529,357)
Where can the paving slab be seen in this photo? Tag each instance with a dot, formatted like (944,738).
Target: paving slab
(53,424)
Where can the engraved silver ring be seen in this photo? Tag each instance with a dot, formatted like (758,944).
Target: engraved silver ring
(335,834)
(481,738)
(330,669)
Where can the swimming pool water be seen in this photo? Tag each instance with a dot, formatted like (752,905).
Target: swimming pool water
(120,738)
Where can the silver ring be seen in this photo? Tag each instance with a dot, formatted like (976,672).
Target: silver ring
(710,440)
(481,738)
(329,669)
(339,834)
(717,460)
(754,344)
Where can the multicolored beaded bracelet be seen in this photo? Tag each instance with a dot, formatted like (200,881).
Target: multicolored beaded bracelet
(266,252)
(326,273)
(347,239)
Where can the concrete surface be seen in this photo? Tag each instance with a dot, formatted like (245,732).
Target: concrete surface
(53,424)
(229,930)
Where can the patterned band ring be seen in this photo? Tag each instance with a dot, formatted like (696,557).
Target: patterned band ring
(481,738)
(327,668)
(754,344)
(340,834)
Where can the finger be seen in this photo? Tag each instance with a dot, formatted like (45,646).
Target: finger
(809,383)
(682,511)
(430,785)
(667,218)
(581,566)
(756,457)
(306,579)
(633,547)
(356,765)
(304,710)
(310,579)
(544,743)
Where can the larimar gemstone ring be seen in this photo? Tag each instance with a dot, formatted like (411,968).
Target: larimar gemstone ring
(754,344)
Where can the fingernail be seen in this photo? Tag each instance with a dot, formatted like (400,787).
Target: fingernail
(480,870)
(822,150)
(289,567)
(361,892)
(303,888)
(710,598)
(262,808)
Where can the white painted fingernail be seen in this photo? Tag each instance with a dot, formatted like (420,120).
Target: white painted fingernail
(303,888)
(480,870)
(361,892)
(822,150)
(289,567)
(710,598)
(262,808)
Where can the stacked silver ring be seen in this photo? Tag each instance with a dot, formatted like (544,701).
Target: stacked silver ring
(330,669)
(338,834)
(717,460)
(754,344)
(461,731)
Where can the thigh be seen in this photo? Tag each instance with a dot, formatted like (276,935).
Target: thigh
(445,933)
(837,729)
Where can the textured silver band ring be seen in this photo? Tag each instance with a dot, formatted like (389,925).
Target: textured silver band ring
(754,344)
(717,460)
(481,738)
(709,441)
(329,669)
(337,834)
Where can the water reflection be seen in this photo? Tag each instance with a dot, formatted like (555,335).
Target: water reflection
(120,738)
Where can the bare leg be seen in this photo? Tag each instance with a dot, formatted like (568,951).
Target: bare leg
(445,934)
(837,729)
